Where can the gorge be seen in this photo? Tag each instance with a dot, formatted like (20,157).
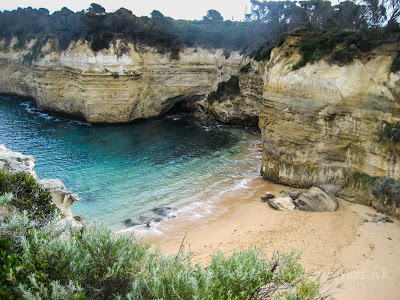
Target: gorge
(322,123)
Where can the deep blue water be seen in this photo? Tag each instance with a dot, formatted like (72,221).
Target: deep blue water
(125,171)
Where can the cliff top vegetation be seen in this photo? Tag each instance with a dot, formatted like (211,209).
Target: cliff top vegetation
(264,26)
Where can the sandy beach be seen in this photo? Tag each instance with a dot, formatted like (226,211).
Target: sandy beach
(369,252)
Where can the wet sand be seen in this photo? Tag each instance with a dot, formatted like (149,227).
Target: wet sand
(369,252)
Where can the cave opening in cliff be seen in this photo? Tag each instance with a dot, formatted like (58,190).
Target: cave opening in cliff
(184,106)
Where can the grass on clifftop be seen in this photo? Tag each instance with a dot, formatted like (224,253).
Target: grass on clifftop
(64,260)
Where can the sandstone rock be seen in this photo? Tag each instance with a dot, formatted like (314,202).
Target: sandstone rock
(62,197)
(330,188)
(317,200)
(348,195)
(267,195)
(294,194)
(283,204)
(14,162)
(79,82)
(320,123)
(78,218)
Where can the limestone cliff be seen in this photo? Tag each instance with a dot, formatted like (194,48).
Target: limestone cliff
(327,123)
(121,84)
(244,108)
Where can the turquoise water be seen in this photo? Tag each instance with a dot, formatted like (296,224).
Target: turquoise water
(125,171)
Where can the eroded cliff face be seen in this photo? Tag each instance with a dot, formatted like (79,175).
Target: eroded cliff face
(114,85)
(243,109)
(326,123)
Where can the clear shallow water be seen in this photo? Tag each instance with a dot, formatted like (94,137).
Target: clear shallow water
(125,171)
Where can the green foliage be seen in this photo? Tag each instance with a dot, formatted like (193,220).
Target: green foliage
(343,56)
(392,133)
(64,261)
(6,198)
(387,190)
(36,51)
(395,67)
(225,90)
(246,68)
(115,75)
(262,54)
(28,195)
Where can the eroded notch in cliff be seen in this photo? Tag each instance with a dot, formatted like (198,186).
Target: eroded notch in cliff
(181,105)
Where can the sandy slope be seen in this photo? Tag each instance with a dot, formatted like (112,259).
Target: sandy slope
(371,253)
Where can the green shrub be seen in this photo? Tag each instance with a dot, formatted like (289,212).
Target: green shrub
(246,68)
(395,67)
(392,133)
(343,56)
(317,44)
(6,198)
(262,54)
(225,90)
(64,261)
(28,195)
(115,75)
(387,190)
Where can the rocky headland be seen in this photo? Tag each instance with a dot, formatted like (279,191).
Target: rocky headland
(322,123)
(14,162)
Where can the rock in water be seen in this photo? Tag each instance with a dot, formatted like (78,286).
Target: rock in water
(283,204)
(267,195)
(316,199)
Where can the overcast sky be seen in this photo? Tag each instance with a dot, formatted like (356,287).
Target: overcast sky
(177,9)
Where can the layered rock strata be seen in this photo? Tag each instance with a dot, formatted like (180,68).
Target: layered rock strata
(114,85)
(326,123)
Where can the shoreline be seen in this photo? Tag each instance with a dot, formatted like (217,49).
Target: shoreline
(331,239)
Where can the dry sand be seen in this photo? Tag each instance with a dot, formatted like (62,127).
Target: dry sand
(371,253)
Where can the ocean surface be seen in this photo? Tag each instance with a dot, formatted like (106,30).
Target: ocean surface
(134,173)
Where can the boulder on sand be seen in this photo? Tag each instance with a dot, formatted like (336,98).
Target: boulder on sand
(283,204)
(267,195)
(318,200)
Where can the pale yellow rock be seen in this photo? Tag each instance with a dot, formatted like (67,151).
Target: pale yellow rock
(323,122)
(110,86)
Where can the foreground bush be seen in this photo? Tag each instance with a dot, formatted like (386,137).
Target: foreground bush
(63,261)
(24,193)
(59,259)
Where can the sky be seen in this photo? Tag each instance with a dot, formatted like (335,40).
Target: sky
(176,9)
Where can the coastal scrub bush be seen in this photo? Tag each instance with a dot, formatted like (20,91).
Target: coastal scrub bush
(395,67)
(225,90)
(60,259)
(28,195)
(246,68)
(6,198)
(64,261)
(392,133)
(387,190)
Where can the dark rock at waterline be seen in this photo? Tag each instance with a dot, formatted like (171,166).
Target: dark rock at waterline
(130,223)
(144,219)
(317,200)
(162,211)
